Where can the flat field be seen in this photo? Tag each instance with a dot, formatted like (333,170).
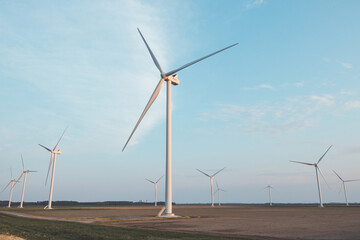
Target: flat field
(248,222)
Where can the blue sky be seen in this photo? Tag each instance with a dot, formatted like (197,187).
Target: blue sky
(288,91)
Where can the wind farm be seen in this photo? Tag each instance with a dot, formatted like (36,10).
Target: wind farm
(266,86)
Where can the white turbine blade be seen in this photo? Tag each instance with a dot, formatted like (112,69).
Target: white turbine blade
(324,154)
(353,180)
(49,169)
(198,60)
(323,177)
(22,161)
(311,164)
(203,172)
(151,100)
(159,178)
(217,186)
(218,171)
(18,180)
(45,147)
(338,176)
(341,186)
(157,64)
(150,181)
(60,138)
(6,186)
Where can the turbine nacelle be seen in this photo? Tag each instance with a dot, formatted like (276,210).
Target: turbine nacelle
(173,79)
(56,151)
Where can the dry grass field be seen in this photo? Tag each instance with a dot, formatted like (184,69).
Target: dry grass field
(277,222)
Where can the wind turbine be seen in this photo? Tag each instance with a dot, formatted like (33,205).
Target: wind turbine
(12,181)
(211,183)
(155,183)
(317,170)
(170,78)
(343,185)
(218,190)
(53,152)
(269,187)
(24,173)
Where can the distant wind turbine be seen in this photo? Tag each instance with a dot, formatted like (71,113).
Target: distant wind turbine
(343,185)
(12,181)
(24,173)
(218,190)
(317,170)
(269,187)
(211,183)
(170,78)
(53,152)
(155,183)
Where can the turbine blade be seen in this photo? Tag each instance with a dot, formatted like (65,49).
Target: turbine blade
(338,176)
(60,138)
(218,171)
(18,180)
(198,60)
(217,186)
(323,177)
(149,180)
(31,171)
(311,164)
(6,186)
(203,172)
(51,158)
(151,100)
(324,154)
(160,178)
(353,180)
(341,186)
(45,147)
(157,64)
(22,161)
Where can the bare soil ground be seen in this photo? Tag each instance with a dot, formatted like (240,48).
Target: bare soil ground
(277,222)
(9,237)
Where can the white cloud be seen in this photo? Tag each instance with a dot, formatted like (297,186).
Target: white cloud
(345,65)
(299,84)
(254,4)
(352,105)
(347,92)
(325,100)
(261,86)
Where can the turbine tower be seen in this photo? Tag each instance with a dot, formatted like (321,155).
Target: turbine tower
(218,190)
(317,170)
(170,78)
(12,181)
(53,152)
(343,186)
(155,183)
(24,173)
(211,183)
(269,187)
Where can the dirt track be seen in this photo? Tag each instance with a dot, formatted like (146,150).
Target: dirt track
(303,222)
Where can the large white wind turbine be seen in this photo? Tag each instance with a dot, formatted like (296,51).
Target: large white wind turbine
(53,152)
(12,181)
(170,78)
(343,185)
(218,190)
(24,173)
(155,183)
(211,183)
(317,170)
(269,187)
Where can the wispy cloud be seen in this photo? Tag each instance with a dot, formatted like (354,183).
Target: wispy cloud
(352,105)
(291,115)
(343,64)
(254,4)
(261,86)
